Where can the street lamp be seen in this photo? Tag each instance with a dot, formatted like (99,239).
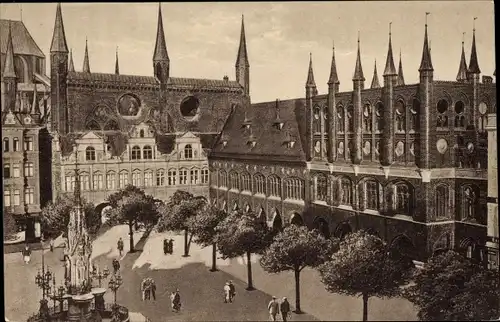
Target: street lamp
(114,284)
(43,279)
(97,274)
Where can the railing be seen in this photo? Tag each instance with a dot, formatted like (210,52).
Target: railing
(57,314)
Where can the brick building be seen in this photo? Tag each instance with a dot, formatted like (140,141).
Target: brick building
(25,100)
(404,161)
(492,241)
(150,131)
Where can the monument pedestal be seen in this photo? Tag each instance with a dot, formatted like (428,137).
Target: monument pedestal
(79,307)
(99,298)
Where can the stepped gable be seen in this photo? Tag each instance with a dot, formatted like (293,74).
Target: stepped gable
(22,41)
(270,141)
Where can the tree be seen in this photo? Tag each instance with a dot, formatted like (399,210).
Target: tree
(55,216)
(203,227)
(9,224)
(294,249)
(243,234)
(363,267)
(132,206)
(451,288)
(176,214)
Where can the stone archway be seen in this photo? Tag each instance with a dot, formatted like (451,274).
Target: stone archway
(402,248)
(322,226)
(101,209)
(469,248)
(342,230)
(276,222)
(296,219)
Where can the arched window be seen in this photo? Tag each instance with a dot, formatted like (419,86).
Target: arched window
(222,179)
(321,188)
(188,152)
(345,192)
(414,115)
(371,195)
(172,177)
(483,118)
(469,202)
(160,177)
(274,186)
(90,153)
(6,198)
(147,152)
(15,144)
(399,117)
(367,118)
(136,153)
(350,118)
(136,178)
(259,183)
(402,199)
(148,178)
(110,180)
(6,171)
(6,147)
(379,113)
(442,109)
(340,120)
(141,133)
(245,182)
(460,117)
(234,181)
(294,189)
(317,120)
(123,179)
(21,69)
(442,201)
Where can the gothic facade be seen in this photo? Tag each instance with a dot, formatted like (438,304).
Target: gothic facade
(404,161)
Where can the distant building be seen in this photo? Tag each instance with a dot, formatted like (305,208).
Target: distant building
(406,162)
(25,103)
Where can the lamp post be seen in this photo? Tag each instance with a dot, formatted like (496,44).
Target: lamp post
(97,274)
(114,284)
(43,279)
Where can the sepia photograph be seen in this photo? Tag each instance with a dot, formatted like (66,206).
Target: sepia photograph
(249,161)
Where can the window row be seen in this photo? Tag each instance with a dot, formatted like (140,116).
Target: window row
(171,178)
(28,144)
(13,198)
(14,171)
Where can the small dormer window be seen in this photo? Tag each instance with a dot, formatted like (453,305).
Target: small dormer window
(290,141)
(291,144)
(141,133)
(279,124)
(252,140)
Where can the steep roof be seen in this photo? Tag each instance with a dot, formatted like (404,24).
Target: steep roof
(111,78)
(310,74)
(161,53)
(375,82)
(358,70)
(426,62)
(462,69)
(473,63)
(59,37)
(390,69)
(199,82)
(334,78)
(8,64)
(22,41)
(242,50)
(270,140)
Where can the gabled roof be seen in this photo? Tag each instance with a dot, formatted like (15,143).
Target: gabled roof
(270,140)
(111,78)
(22,41)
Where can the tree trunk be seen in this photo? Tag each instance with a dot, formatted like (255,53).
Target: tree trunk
(297,292)
(249,271)
(365,307)
(186,249)
(131,235)
(214,257)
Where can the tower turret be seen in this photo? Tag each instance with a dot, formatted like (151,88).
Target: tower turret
(161,61)
(333,88)
(473,75)
(334,78)
(86,62)
(375,82)
(311,91)
(462,68)
(401,78)
(242,64)
(390,80)
(358,82)
(71,66)
(58,76)
(9,76)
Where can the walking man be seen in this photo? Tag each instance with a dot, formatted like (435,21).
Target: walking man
(273,308)
(165,246)
(120,246)
(27,254)
(51,245)
(227,293)
(171,246)
(232,291)
(175,298)
(116,265)
(285,309)
(153,289)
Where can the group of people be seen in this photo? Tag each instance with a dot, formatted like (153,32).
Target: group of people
(276,308)
(168,246)
(229,292)
(148,288)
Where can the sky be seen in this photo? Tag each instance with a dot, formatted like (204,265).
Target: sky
(203,38)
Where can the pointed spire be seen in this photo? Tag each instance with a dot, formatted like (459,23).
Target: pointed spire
(358,71)
(117,67)
(426,62)
(35,106)
(71,67)
(9,70)
(473,63)
(334,79)
(462,69)
(401,78)
(58,36)
(390,69)
(86,64)
(375,82)
(160,53)
(242,51)
(310,74)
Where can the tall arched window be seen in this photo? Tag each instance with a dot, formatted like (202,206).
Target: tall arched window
(234,181)
(442,200)
(222,179)
(90,153)
(469,202)
(460,117)
(147,152)
(259,183)
(350,118)
(148,178)
(340,119)
(245,182)
(442,117)
(414,115)
(97,181)
(402,199)
(321,188)
(379,113)
(294,189)
(136,153)
(372,195)
(367,118)
(345,192)
(141,133)
(483,117)
(399,117)
(274,186)
(110,180)
(188,152)
(317,120)
(6,147)
(15,144)
(123,179)
(160,177)
(136,178)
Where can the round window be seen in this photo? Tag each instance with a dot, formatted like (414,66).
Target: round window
(459,107)
(400,149)
(442,146)
(128,105)
(442,106)
(190,108)
(482,108)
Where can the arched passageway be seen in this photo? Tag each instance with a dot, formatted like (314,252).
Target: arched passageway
(322,226)
(342,230)
(402,248)
(296,219)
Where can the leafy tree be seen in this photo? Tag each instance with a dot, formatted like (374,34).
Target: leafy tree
(363,267)
(55,216)
(243,234)
(203,227)
(294,249)
(132,206)
(451,288)
(9,224)
(176,213)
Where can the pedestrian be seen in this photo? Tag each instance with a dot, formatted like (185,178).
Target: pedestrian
(153,289)
(27,254)
(143,289)
(165,246)
(147,289)
(175,298)
(51,243)
(120,246)
(227,293)
(171,246)
(273,308)
(285,309)
(116,265)
(232,292)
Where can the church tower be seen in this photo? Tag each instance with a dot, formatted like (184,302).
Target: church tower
(58,74)
(9,77)
(311,92)
(358,83)
(242,64)
(390,79)
(161,62)
(333,88)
